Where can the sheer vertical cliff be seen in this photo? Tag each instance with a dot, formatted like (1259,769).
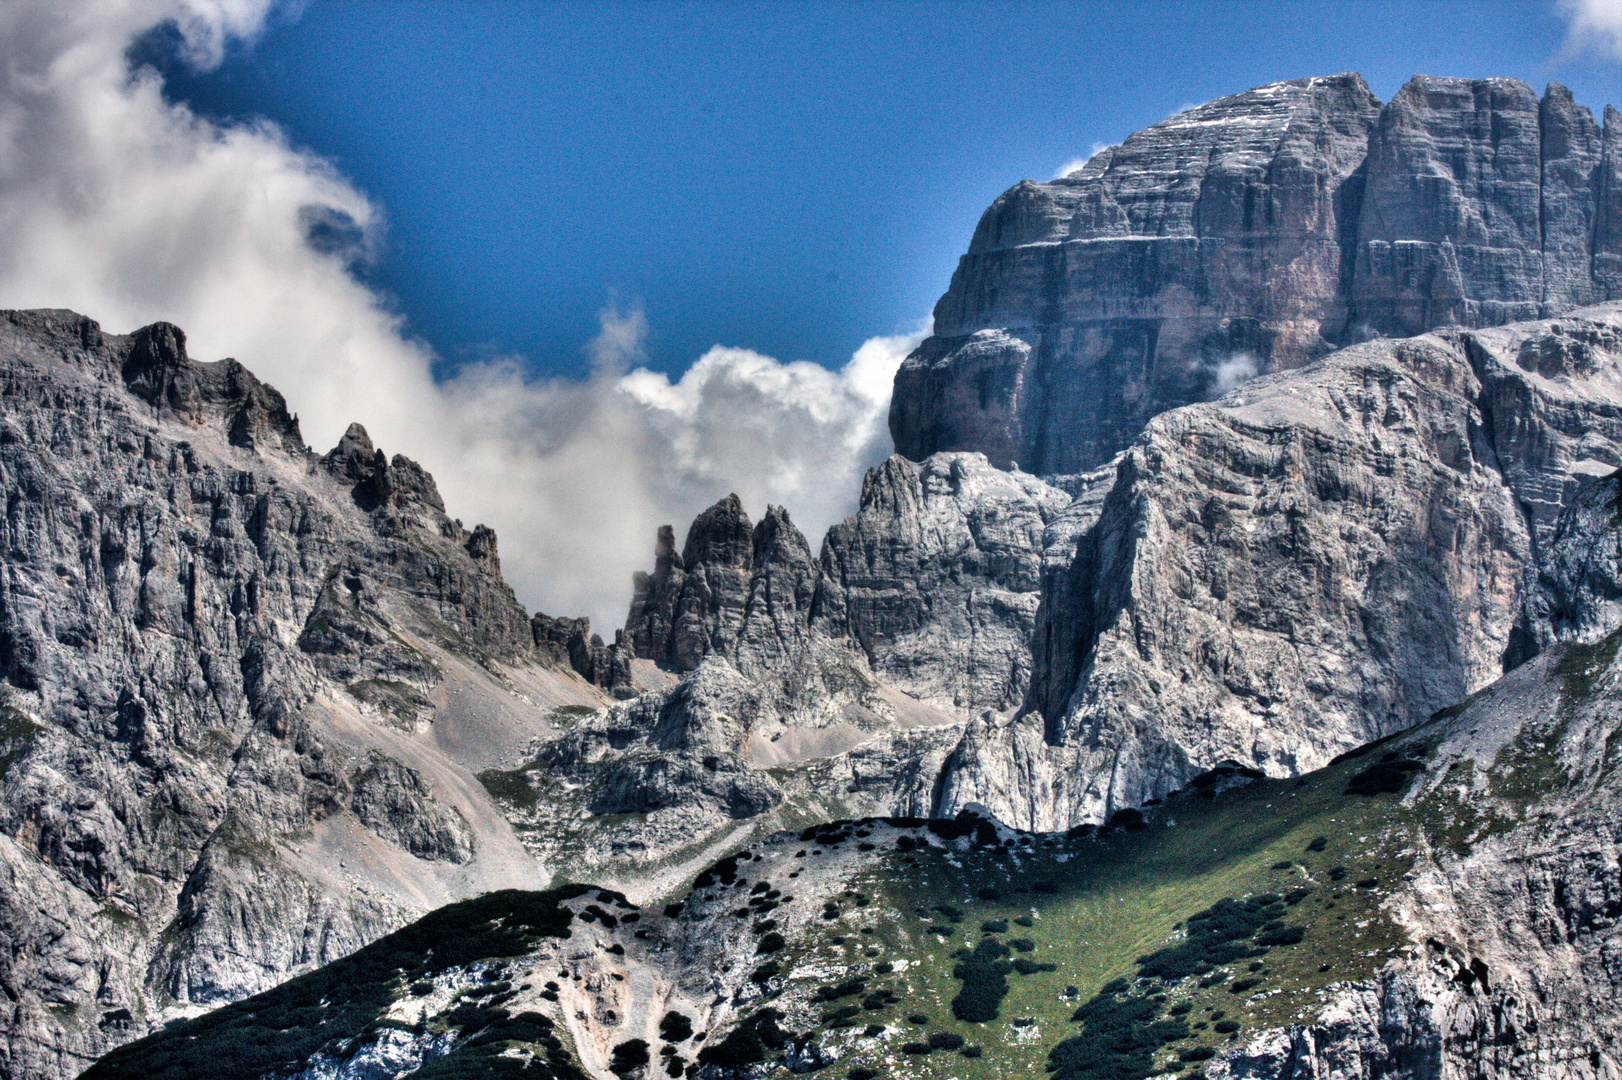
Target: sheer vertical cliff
(1254,234)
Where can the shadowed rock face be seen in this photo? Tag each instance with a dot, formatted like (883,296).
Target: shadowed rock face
(1254,234)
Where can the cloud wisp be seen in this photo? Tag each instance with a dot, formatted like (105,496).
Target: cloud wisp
(131,209)
(1074,164)
(1592,25)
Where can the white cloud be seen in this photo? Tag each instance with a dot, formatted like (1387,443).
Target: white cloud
(1229,372)
(1593,25)
(121,206)
(1075,163)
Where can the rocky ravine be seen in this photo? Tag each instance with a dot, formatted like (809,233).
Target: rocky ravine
(246,691)
(1257,233)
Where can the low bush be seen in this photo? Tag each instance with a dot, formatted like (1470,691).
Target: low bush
(841,1016)
(1385,777)
(675,1027)
(1032,967)
(628,1057)
(945,1040)
(746,1044)
(984,973)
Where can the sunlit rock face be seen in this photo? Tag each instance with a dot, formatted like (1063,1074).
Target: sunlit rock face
(1254,234)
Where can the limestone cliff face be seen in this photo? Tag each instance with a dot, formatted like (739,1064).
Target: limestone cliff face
(238,684)
(1253,234)
(1320,558)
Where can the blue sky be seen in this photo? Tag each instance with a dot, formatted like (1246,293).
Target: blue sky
(791,178)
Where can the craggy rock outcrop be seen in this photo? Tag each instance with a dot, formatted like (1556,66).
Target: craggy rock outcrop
(1578,594)
(570,643)
(1253,234)
(225,670)
(1320,558)
(736,590)
(936,578)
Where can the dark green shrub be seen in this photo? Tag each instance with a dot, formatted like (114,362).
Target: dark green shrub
(915,1048)
(1385,777)
(1226,1027)
(1318,843)
(971,1051)
(629,1056)
(1239,986)
(848,988)
(985,983)
(945,1040)
(1031,967)
(675,1027)
(772,942)
(747,1043)
(1196,1053)
(1284,935)
(994,926)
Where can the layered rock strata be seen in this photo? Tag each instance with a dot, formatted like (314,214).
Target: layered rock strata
(1253,234)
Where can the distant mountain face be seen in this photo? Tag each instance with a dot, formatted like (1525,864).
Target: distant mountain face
(1254,234)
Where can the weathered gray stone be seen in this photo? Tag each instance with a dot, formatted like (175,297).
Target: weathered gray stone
(200,621)
(1253,234)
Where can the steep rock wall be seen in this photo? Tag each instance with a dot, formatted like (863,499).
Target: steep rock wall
(1252,234)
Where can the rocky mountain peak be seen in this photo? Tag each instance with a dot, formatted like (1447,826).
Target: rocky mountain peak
(156,369)
(376,481)
(1257,233)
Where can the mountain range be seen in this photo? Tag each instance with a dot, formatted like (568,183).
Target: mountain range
(1219,679)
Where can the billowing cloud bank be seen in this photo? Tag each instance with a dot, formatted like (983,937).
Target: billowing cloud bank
(130,210)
